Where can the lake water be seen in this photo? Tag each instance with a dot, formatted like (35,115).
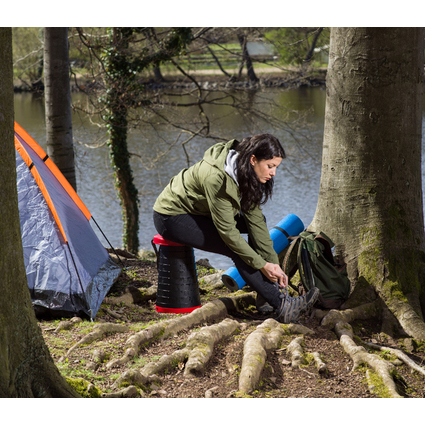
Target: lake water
(296,183)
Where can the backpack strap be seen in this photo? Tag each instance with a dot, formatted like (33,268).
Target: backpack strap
(283,231)
(288,253)
(306,272)
(291,272)
(326,242)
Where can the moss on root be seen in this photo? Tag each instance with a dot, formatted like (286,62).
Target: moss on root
(84,388)
(376,385)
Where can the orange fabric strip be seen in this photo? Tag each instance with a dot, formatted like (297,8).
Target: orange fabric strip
(54,169)
(21,150)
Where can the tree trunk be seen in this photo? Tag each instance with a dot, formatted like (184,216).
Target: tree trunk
(370,199)
(247,60)
(157,74)
(310,52)
(124,182)
(151,36)
(118,101)
(58,102)
(26,367)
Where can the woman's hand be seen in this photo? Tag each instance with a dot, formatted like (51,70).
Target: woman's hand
(274,273)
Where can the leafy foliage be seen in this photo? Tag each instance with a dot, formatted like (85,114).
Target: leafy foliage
(295,44)
(28,55)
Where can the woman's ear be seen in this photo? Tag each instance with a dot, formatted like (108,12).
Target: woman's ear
(253,160)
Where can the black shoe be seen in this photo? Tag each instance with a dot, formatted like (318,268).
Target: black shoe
(291,308)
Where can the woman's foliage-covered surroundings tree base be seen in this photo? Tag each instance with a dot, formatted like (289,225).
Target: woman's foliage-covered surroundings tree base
(226,348)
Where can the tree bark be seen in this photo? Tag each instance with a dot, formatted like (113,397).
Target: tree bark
(310,52)
(246,59)
(26,367)
(58,102)
(370,199)
(118,101)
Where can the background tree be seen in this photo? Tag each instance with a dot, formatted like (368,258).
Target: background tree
(370,199)
(296,44)
(120,77)
(60,146)
(246,58)
(26,367)
(122,61)
(28,57)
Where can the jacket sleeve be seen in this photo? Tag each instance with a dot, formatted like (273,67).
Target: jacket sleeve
(222,208)
(260,235)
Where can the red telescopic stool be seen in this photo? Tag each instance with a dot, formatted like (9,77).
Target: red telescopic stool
(178,290)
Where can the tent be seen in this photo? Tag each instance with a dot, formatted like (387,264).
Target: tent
(69,271)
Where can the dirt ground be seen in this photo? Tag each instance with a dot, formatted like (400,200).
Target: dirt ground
(220,378)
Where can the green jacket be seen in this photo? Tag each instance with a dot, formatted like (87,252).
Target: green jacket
(206,189)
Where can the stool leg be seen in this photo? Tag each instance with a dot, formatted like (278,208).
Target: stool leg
(178,290)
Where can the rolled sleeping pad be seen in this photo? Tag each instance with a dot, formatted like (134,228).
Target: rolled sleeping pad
(291,225)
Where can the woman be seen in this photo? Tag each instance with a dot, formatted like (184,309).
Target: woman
(208,205)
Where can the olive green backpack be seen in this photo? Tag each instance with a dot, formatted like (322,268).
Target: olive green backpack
(311,254)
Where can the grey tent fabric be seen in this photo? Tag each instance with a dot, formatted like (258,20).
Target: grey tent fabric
(70,272)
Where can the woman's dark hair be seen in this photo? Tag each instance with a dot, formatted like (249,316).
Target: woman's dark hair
(263,146)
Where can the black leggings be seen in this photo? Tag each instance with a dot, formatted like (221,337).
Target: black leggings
(199,232)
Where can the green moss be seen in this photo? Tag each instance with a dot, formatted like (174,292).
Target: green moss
(419,345)
(84,388)
(387,276)
(250,308)
(386,355)
(204,271)
(390,267)
(124,384)
(379,389)
(259,358)
(242,394)
(309,359)
(393,290)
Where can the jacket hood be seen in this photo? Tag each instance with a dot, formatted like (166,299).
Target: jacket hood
(216,155)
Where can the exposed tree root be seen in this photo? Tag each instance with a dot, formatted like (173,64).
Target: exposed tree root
(97,333)
(128,392)
(133,296)
(266,337)
(201,345)
(210,393)
(296,351)
(409,320)
(399,354)
(133,377)
(211,311)
(321,366)
(364,311)
(97,359)
(192,360)
(65,325)
(384,369)
(197,353)
(166,362)
(213,280)
(115,315)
